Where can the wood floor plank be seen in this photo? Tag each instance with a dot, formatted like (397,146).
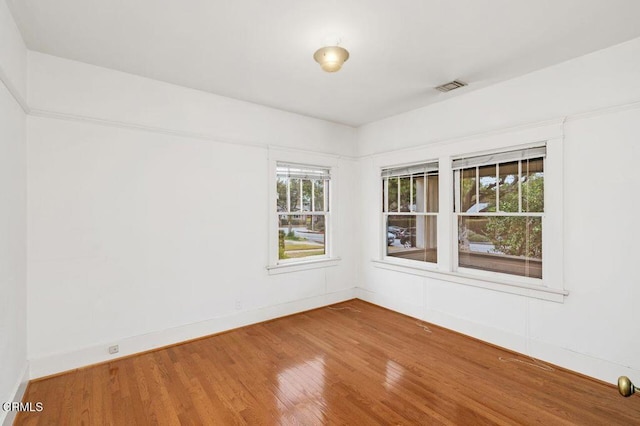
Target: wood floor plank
(355,363)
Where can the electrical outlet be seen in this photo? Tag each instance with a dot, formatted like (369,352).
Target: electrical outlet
(238,305)
(114,349)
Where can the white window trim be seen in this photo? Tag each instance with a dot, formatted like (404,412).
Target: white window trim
(490,283)
(501,276)
(551,286)
(385,213)
(329,259)
(303,265)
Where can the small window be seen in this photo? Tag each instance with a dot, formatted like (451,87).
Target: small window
(499,211)
(410,211)
(303,210)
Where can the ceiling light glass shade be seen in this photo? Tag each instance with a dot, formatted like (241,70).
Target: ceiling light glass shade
(331,58)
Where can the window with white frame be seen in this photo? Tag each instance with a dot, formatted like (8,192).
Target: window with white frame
(410,212)
(303,211)
(499,211)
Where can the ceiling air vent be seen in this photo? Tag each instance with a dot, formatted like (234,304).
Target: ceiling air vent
(447,87)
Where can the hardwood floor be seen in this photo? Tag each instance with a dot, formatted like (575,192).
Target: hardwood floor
(357,364)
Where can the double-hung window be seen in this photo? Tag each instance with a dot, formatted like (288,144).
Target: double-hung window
(499,211)
(482,218)
(303,211)
(410,211)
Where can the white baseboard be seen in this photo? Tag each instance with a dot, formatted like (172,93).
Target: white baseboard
(45,366)
(604,370)
(411,309)
(7,417)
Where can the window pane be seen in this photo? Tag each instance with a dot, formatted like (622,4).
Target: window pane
(418,193)
(413,207)
(507,244)
(306,195)
(301,236)
(487,189)
(508,186)
(294,189)
(318,193)
(326,196)
(533,186)
(405,193)
(432,193)
(468,189)
(281,185)
(412,237)
(393,194)
(384,195)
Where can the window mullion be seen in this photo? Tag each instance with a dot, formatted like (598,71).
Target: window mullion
(425,192)
(519,186)
(497,187)
(477,188)
(313,195)
(398,207)
(457,175)
(325,196)
(386,194)
(410,192)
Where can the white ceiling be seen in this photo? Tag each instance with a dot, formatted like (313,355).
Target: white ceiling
(262,51)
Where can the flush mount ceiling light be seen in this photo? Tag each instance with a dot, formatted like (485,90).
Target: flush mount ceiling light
(331,58)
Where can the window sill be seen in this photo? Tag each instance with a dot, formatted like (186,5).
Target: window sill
(504,286)
(285,268)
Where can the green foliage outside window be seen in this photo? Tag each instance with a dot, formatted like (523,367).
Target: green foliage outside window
(519,236)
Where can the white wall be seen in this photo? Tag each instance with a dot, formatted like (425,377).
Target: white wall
(147,213)
(604,78)
(594,330)
(72,89)
(13,342)
(13,55)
